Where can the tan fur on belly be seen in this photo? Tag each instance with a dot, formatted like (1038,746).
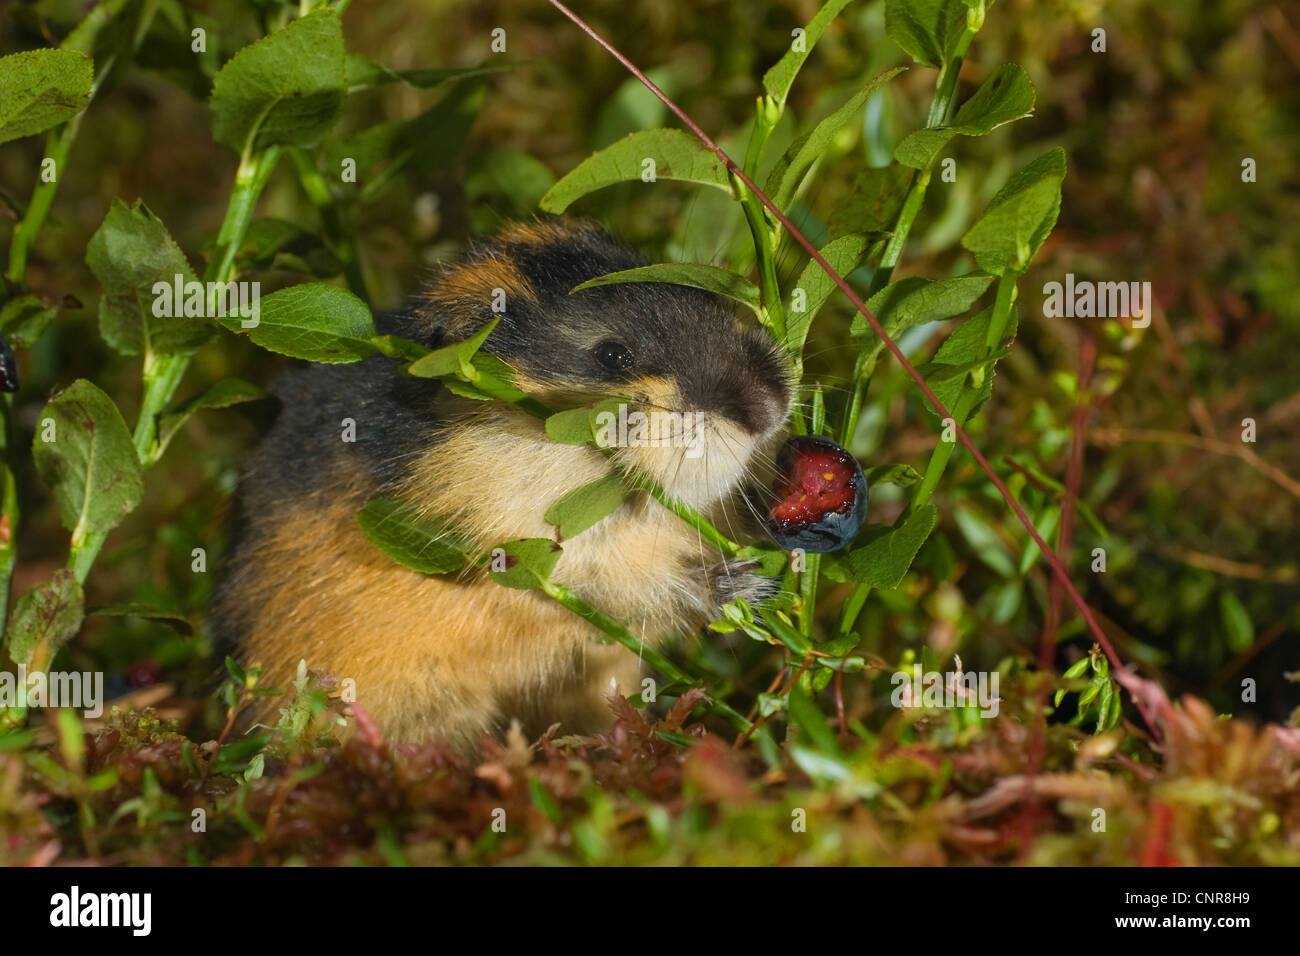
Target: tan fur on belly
(458,656)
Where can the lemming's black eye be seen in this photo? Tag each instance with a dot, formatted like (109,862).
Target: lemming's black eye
(613,355)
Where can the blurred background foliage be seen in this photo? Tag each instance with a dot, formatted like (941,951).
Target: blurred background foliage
(1201,584)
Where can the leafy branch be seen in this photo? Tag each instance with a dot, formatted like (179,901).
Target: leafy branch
(995,223)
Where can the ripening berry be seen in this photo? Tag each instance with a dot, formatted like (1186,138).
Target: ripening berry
(821,496)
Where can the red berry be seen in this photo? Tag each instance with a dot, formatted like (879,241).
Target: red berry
(821,496)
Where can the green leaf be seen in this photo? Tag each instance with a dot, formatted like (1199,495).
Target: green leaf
(173,619)
(466,390)
(1104,706)
(938,373)
(46,616)
(544,801)
(312,321)
(528,562)
(571,427)
(778,80)
(843,254)
(11,740)
(875,202)
(132,255)
(271,242)
(789,170)
(455,359)
(111,34)
(1004,97)
(236,672)
(883,561)
(676,155)
(286,88)
(984,541)
(914,301)
(1237,624)
(820,766)
(926,29)
(708,278)
(40,89)
(363,73)
(432,139)
(1090,694)
(503,184)
(1116,710)
(582,507)
(785,632)
(837,647)
(677,740)
(84,452)
(420,544)
(23,319)
(1046,527)
(1019,218)
(901,475)
(235,757)
(394,346)
(812,723)
(1078,668)
(964,350)
(494,378)
(632,107)
(223,394)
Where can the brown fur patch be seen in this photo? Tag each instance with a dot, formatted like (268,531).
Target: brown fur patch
(543,232)
(464,293)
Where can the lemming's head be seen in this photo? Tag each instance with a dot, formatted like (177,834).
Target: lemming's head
(712,389)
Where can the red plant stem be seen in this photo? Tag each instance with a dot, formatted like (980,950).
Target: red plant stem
(1073,476)
(1032,812)
(1121,672)
(1160,826)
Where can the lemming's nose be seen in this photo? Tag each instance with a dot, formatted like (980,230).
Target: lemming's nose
(755,405)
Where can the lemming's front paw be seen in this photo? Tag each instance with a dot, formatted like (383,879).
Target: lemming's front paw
(727,582)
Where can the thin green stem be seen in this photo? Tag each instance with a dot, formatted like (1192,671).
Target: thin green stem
(767,113)
(766,234)
(336,229)
(765,245)
(250,178)
(162,374)
(57,145)
(1001,315)
(943,451)
(862,367)
(10,509)
(621,635)
(808,592)
(703,527)
(898,240)
(941,109)
(853,606)
(970,394)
